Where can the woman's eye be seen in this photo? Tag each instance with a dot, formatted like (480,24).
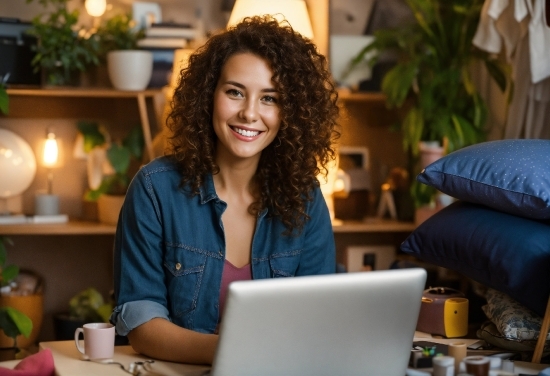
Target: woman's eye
(269,99)
(234,93)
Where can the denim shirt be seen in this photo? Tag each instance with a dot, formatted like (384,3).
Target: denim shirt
(170,250)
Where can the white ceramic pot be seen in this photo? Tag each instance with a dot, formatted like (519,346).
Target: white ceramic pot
(108,208)
(130,69)
(430,151)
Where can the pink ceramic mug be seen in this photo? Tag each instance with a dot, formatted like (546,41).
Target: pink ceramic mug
(99,340)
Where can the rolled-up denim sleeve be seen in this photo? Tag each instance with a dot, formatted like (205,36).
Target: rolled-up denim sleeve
(140,290)
(130,315)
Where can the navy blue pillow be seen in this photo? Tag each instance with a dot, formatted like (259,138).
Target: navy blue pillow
(506,252)
(508,175)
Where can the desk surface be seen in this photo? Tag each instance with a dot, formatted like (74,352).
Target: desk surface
(69,361)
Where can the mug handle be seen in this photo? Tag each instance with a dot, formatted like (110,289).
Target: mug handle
(76,339)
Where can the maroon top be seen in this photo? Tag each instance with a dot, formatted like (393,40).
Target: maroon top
(232,273)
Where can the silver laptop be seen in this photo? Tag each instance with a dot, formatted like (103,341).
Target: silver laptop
(338,324)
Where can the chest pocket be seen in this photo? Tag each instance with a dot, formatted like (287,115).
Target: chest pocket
(185,271)
(285,264)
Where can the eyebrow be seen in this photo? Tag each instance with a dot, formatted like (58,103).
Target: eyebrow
(267,90)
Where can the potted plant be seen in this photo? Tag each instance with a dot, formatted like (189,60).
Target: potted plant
(129,68)
(86,306)
(431,80)
(20,311)
(64,50)
(111,166)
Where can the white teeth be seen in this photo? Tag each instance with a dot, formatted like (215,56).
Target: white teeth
(246,133)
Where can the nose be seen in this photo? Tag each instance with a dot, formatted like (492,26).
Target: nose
(249,112)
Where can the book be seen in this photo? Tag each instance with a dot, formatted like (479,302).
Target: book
(164,43)
(171,30)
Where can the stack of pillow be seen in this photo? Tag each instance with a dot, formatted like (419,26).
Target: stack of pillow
(497,232)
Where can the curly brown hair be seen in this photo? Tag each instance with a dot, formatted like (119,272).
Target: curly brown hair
(305,143)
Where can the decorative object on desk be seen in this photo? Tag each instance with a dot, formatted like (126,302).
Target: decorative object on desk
(111,166)
(65,49)
(477,365)
(458,350)
(295,11)
(21,303)
(443,365)
(46,202)
(85,307)
(431,81)
(444,311)
(18,166)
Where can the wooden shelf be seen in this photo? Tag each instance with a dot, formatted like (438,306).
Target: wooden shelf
(74,227)
(349,96)
(156,95)
(69,228)
(373,225)
(81,92)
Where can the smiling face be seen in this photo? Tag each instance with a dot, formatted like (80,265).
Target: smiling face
(246,110)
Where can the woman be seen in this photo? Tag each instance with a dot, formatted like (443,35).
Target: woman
(253,123)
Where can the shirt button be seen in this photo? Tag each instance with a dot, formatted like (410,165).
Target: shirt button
(178,266)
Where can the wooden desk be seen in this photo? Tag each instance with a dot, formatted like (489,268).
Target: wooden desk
(68,362)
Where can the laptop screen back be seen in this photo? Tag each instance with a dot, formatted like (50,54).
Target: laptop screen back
(338,324)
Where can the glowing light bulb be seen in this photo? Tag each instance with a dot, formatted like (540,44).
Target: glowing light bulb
(51,151)
(95,8)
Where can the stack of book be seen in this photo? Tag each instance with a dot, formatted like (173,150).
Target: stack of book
(167,36)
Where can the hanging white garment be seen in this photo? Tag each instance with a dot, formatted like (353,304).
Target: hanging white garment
(539,41)
(487,37)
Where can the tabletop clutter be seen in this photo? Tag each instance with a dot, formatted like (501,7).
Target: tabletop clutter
(452,360)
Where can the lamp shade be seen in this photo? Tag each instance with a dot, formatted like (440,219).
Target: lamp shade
(17,163)
(294,11)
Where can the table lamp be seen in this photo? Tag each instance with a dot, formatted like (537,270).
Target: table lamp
(47,203)
(294,11)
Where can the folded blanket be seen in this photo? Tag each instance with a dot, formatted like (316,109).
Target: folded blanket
(39,364)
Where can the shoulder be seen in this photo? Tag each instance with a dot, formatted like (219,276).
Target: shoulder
(160,165)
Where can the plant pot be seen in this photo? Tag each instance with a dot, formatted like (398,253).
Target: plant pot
(130,69)
(64,326)
(108,208)
(33,307)
(430,151)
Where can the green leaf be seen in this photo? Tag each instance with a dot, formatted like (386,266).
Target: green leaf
(135,142)
(93,136)
(14,322)
(9,273)
(398,81)
(119,157)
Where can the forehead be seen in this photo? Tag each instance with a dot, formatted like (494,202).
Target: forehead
(246,65)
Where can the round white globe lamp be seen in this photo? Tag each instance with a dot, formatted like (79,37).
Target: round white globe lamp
(18,166)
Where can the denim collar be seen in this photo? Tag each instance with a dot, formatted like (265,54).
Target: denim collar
(207,190)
